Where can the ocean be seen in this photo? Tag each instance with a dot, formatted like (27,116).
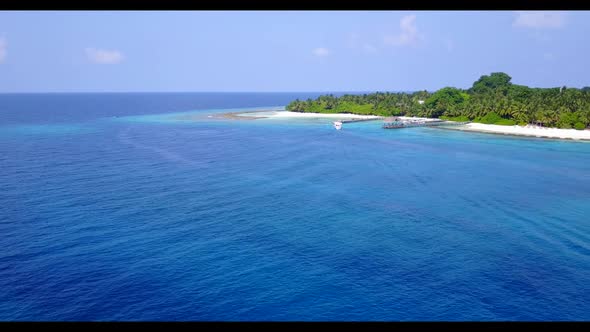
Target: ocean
(129,207)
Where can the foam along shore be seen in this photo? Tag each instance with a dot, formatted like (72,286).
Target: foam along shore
(295,115)
(413,118)
(528,130)
(287,114)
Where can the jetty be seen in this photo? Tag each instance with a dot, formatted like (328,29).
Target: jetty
(398,123)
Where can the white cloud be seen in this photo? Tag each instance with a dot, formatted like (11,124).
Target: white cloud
(539,20)
(104,56)
(321,52)
(409,34)
(3,50)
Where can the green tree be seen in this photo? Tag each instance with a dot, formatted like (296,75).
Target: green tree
(492,98)
(494,81)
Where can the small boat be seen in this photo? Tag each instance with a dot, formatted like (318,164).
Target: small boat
(338,125)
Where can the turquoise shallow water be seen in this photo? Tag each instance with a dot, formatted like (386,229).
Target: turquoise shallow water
(113,209)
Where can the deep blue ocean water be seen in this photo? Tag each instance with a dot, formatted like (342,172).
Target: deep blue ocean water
(115,207)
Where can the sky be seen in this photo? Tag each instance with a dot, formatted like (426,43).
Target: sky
(272,51)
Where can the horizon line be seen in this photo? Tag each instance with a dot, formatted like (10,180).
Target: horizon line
(105,92)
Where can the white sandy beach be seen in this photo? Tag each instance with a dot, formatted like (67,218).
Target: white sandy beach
(294,115)
(531,131)
(416,118)
(282,114)
(527,131)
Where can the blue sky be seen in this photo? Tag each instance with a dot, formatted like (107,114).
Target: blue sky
(103,51)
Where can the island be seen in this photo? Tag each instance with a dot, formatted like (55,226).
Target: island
(492,104)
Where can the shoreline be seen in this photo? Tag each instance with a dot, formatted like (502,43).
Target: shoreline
(240,116)
(271,114)
(525,131)
(521,131)
(341,116)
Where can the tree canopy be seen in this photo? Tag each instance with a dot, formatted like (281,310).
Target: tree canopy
(495,81)
(491,99)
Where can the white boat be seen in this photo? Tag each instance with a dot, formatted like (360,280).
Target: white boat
(338,125)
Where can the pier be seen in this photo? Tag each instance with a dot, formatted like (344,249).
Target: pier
(411,123)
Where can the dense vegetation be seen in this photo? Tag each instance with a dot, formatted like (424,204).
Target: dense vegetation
(492,99)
